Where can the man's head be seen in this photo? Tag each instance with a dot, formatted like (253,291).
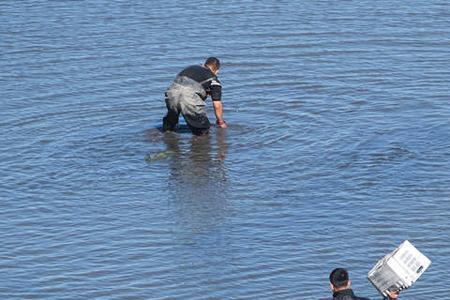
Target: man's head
(213,64)
(339,279)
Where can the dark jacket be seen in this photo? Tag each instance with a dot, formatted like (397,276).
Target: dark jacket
(346,295)
(206,78)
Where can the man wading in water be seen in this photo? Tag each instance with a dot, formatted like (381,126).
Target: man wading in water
(187,95)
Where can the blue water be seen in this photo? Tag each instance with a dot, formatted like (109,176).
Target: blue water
(338,148)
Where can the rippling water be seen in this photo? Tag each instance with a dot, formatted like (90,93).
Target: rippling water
(337,150)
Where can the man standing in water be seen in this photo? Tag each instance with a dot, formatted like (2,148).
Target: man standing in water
(340,284)
(187,95)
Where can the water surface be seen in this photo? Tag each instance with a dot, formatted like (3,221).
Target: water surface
(337,148)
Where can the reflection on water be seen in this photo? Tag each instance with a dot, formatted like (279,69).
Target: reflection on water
(198,204)
(197,179)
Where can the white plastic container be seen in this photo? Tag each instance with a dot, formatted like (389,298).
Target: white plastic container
(398,270)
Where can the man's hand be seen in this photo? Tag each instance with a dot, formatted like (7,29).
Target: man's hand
(218,111)
(221,124)
(393,295)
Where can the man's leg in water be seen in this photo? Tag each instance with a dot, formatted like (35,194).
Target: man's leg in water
(199,131)
(170,121)
(194,112)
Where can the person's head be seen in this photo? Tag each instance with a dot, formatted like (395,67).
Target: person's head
(213,64)
(339,280)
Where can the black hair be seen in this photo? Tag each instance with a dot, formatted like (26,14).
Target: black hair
(339,277)
(213,61)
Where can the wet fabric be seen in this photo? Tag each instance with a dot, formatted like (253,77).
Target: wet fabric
(185,96)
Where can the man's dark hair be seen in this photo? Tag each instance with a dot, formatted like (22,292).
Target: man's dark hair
(339,277)
(213,61)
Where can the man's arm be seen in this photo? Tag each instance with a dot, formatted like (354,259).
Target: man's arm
(218,111)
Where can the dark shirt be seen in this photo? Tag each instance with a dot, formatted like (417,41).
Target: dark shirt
(346,295)
(202,74)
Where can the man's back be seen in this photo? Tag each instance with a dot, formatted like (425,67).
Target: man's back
(198,73)
(206,77)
